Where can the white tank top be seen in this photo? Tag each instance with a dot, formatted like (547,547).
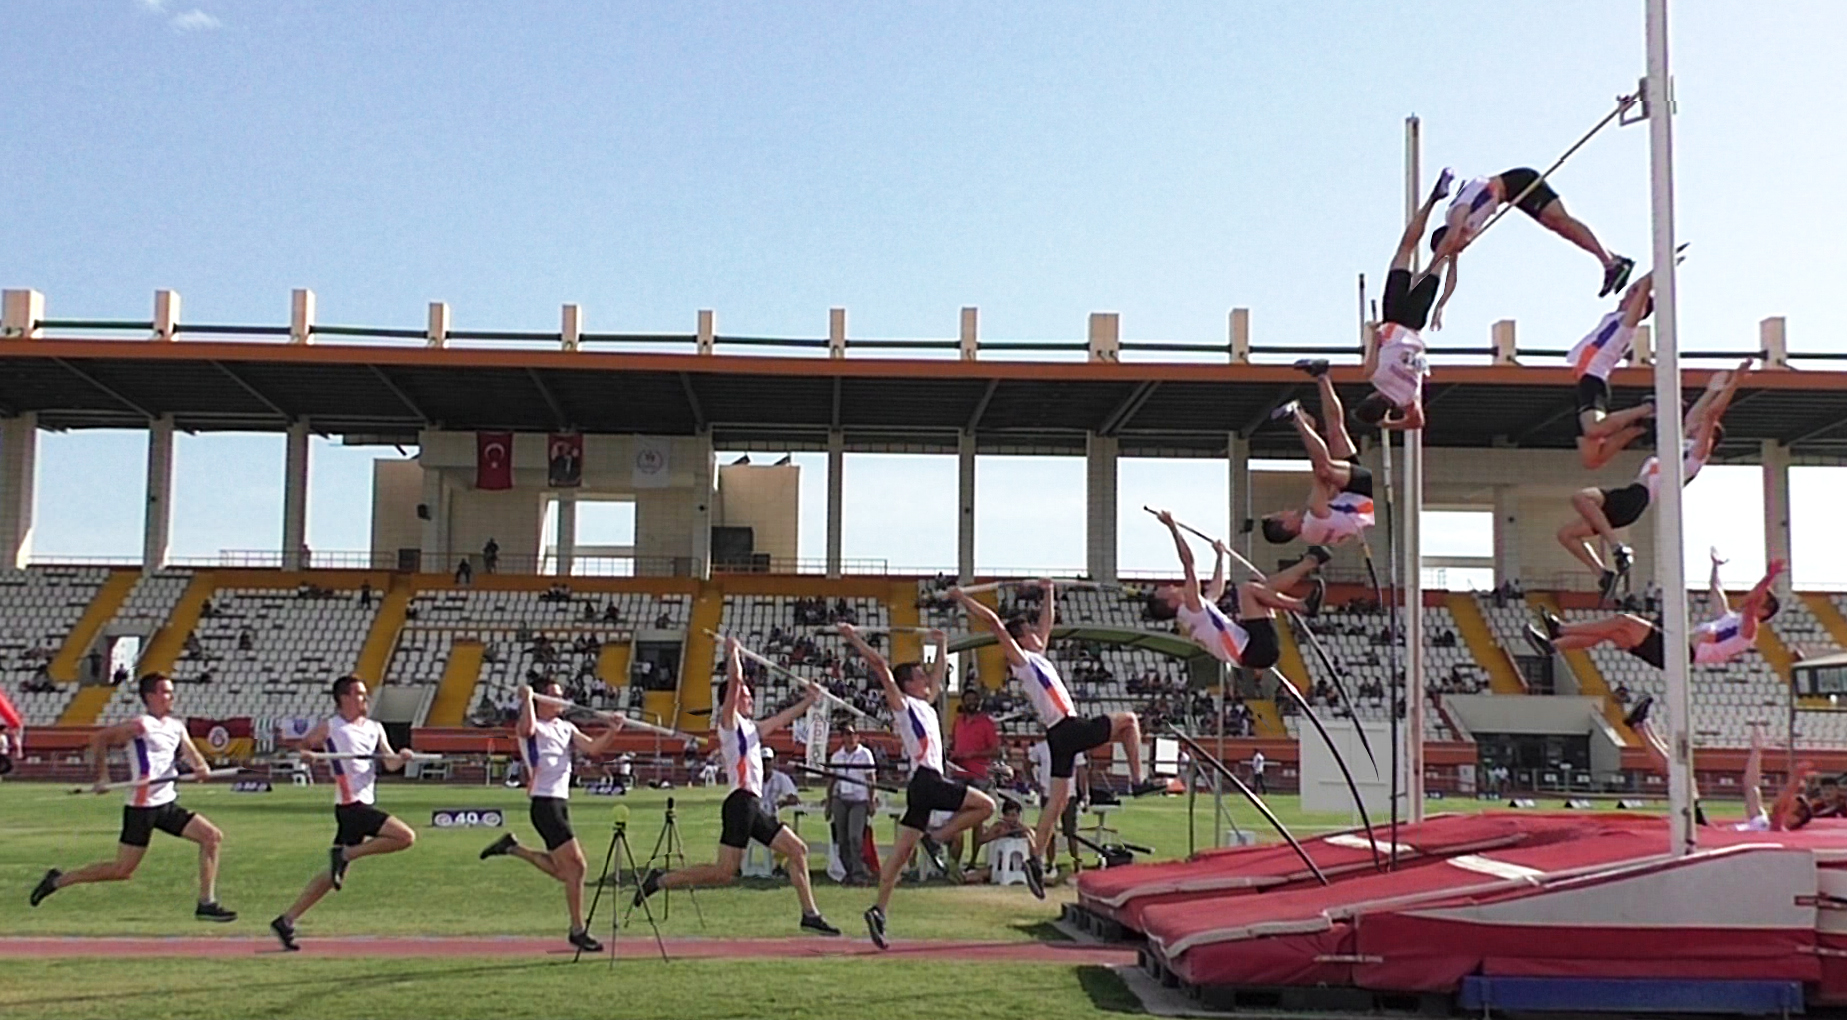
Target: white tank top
(1650,475)
(1399,376)
(548,757)
(743,753)
(1477,196)
(1212,630)
(1349,513)
(1722,640)
(354,777)
(922,733)
(1602,349)
(151,755)
(1044,688)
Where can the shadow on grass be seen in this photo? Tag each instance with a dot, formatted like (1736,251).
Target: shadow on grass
(233,987)
(1107,991)
(1041,931)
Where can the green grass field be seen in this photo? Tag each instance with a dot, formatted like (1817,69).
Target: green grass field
(276,841)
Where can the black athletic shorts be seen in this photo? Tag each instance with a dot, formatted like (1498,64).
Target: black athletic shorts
(1626,505)
(139,823)
(928,791)
(1360,484)
(1593,394)
(744,820)
(1263,650)
(1516,180)
(1650,650)
(552,817)
(1406,305)
(357,823)
(1072,737)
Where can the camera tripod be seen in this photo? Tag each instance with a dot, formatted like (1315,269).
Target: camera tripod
(669,853)
(612,875)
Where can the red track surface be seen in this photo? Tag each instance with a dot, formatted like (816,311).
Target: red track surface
(634,946)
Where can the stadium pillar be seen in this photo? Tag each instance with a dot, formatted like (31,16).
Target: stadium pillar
(435,515)
(160,494)
(1670,567)
(301,316)
(18,486)
(704,491)
(965,520)
(836,489)
(567,532)
(1506,534)
(1776,507)
(968,340)
(1100,507)
(1773,338)
(295,498)
(1240,330)
(1238,477)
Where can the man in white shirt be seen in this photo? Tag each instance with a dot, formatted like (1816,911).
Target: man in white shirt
(852,803)
(1257,766)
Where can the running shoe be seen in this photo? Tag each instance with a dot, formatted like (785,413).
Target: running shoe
(933,850)
(336,868)
(818,924)
(285,933)
(1315,367)
(1554,626)
(584,941)
(1317,593)
(1639,714)
(1622,558)
(1444,180)
(1148,786)
(214,912)
(650,884)
(1606,585)
(875,927)
(1035,876)
(500,847)
(1538,640)
(1321,554)
(46,886)
(1286,411)
(1616,277)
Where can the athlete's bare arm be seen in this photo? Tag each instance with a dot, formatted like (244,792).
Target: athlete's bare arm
(390,760)
(1636,300)
(1048,612)
(790,714)
(524,727)
(1714,590)
(881,670)
(201,769)
(104,739)
(734,685)
(1753,599)
(981,614)
(1190,589)
(939,670)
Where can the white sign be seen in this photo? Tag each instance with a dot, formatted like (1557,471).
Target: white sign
(653,462)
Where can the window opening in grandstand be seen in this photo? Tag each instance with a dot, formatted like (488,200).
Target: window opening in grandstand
(123,653)
(605,537)
(1458,549)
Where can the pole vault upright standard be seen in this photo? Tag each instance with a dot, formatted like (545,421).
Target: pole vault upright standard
(1413,544)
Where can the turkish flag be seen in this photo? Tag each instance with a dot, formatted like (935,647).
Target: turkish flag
(493,460)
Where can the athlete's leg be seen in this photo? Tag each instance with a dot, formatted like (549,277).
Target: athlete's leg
(723,871)
(127,859)
(1575,537)
(1334,419)
(318,886)
(792,847)
(1754,775)
(1595,453)
(975,809)
(1049,814)
(537,858)
(1554,218)
(568,867)
(1622,630)
(1125,728)
(209,839)
(391,838)
(895,862)
(1615,421)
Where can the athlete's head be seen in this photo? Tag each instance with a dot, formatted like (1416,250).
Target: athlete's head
(1768,607)
(156,691)
(548,709)
(350,696)
(1024,634)
(1163,602)
(1371,411)
(911,678)
(1436,238)
(1282,527)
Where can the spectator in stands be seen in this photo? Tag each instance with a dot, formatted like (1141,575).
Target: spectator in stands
(490,556)
(246,639)
(611,614)
(40,683)
(365,594)
(120,675)
(1621,693)
(464,573)
(207,611)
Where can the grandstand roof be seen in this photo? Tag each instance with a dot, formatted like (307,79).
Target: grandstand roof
(784,403)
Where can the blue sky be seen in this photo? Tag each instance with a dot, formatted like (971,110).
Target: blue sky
(1041,161)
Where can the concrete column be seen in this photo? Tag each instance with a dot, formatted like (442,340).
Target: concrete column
(708,331)
(1240,327)
(1506,533)
(159,524)
(965,503)
(567,532)
(1105,336)
(166,314)
(836,332)
(435,519)
(1100,507)
(969,338)
(836,488)
(1773,337)
(438,334)
(1776,507)
(705,491)
(1238,482)
(295,498)
(1504,345)
(20,311)
(570,326)
(18,487)
(301,316)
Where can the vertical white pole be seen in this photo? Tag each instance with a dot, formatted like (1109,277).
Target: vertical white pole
(1413,504)
(1670,566)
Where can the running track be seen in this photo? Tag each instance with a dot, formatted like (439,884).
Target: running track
(630,945)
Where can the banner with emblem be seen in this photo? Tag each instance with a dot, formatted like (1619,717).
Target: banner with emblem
(653,465)
(232,738)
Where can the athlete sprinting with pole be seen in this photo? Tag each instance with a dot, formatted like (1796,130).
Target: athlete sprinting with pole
(1602,435)
(1602,511)
(1024,644)
(1716,641)
(546,742)
(1251,640)
(1340,500)
(911,692)
(740,740)
(155,741)
(360,828)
